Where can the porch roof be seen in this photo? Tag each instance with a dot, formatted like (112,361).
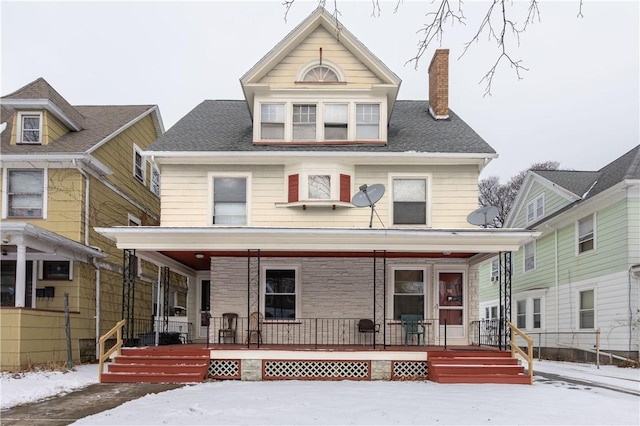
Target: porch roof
(470,241)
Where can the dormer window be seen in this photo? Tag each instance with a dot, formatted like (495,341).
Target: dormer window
(30,127)
(321,74)
(321,121)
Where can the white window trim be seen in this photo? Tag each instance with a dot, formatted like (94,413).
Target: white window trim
(577,236)
(528,297)
(288,118)
(210,177)
(425,289)
(524,258)
(5,187)
(41,268)
(494,278)
(576,296)
(533,203)
(134,219)
(19,127)
(263,288)
(142,179)
(154,171)
(428,178)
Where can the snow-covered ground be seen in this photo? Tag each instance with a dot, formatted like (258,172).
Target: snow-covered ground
(550,402)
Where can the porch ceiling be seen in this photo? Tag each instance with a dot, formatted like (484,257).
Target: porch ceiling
(458,243)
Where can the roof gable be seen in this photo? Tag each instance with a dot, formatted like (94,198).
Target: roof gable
(319,19)
(40,95)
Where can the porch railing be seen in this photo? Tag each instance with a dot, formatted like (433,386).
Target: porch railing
(103,356)
(516,349)
(487,333)
(318,332)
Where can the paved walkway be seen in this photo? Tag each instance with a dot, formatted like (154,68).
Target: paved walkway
(66,409)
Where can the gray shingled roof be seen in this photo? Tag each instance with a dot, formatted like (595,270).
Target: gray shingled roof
(99,122)
(226,126)
(624,167)
(40,89)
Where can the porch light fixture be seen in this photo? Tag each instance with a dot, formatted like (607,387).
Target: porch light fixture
(199,256)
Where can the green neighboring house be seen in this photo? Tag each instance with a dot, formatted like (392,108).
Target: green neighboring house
(582,273)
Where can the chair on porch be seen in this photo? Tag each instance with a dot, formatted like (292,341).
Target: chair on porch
(366,326)
(413,326)
(228,327)
(255,327)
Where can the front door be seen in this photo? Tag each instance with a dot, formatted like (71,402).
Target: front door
(451,309)
(205,305)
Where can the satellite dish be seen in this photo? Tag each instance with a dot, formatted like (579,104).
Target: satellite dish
(483,216)
(368,197)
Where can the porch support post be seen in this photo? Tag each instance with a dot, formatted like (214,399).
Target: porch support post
(21,275)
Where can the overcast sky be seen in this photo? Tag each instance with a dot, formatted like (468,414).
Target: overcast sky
(578,103)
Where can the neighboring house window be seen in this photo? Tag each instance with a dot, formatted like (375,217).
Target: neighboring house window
(272,124)
(367,121)
(495,270)
(133,220)
(25,191)
(30,128)
(521,313)
(229,200)
(535,209)
(155,180)
(319,187)
(139,169)
(336,119)
(587,309)
(586,239)
(494,312)
(408,292)
(409,201)
(56,270)
(320,74)
(280,293)
(530,256)
(537,312)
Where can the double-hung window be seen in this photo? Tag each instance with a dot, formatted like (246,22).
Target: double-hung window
(155,180)
(408,292)
(409,201)
(25,191)
(319,187)
(535,209)
(521,313)
(280,293)
(367,121)
(529,256)
(139,164)
(272,121)
(30,128)
(537,312)
(495,270)
(304,122)
(229,200)
(336,121)
(586,235)
(587,309)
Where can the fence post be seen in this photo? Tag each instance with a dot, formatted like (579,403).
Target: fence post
(598,348)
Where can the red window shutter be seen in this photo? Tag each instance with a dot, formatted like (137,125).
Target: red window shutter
(293,188)
(345,188)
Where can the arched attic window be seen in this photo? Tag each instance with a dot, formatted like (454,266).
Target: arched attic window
(321,74)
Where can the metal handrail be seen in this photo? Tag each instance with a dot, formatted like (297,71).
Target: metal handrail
(117,330)
(528,356)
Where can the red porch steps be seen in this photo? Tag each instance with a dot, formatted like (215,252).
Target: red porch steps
(475,367)
(158,365)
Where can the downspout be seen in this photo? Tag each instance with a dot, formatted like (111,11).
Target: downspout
(86,243)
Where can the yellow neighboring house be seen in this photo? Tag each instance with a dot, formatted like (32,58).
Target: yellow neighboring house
(66,169)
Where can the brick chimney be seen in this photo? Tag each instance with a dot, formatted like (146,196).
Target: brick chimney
(439,85)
